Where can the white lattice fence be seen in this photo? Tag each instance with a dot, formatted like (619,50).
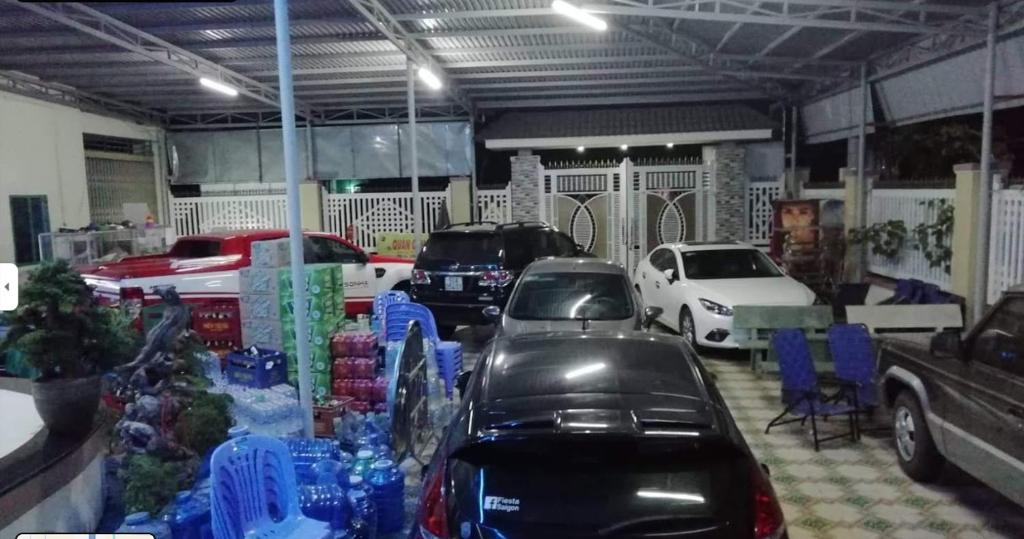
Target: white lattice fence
(761,193)
(198,215)
(369,214)
(494,205)
(1006,247)
(909,206)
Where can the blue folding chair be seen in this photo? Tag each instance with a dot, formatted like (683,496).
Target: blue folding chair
(255,494)
(854,357)
(800,392)
(398,315)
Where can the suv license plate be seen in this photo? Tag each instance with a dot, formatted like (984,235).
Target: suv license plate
(453,284)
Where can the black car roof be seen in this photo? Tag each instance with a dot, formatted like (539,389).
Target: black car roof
(539,376)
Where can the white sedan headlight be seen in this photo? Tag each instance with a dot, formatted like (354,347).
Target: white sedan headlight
(716,308)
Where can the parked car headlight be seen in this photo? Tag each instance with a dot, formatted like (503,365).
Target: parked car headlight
(716,308)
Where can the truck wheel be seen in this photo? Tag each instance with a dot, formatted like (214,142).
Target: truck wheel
(915,448)
(402,286)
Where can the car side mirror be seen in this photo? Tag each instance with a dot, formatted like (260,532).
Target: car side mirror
(998,345)
(462,381)
(492,313)
(670,274)
(650,315)
(946,345)
(364,258)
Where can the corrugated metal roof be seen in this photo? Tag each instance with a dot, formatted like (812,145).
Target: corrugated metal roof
(476,41)
(625,121)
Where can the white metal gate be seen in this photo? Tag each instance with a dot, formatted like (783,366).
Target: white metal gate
(622,212)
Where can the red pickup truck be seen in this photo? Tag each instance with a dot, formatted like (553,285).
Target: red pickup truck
(204,270)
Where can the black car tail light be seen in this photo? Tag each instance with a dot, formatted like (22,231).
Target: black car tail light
(496,278)
(420,277)
(432,515)
(769,522)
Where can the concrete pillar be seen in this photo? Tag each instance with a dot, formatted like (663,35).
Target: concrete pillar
(709,155)
(854,264)
(730,192)
(462,200)
(802,176)
(310,200)
(525,185)
(963,276)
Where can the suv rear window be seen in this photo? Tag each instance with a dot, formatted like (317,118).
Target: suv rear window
(187,248)
(572,296)
(463,248)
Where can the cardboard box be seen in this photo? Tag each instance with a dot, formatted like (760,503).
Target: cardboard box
(260,307)
(263,333)
(270,254)
(258,281)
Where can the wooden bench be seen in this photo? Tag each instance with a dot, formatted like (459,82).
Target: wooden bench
(753,326)
(881,319)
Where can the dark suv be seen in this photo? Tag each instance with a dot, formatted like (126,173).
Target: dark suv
(961,399)
(466,267)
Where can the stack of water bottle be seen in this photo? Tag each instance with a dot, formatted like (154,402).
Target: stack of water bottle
(361,494)
(186,517)
(273,411)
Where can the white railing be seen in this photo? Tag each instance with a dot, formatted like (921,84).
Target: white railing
(362,216)
(909,206)
(1006,242)
(761,195)
(494,205)
(199,215)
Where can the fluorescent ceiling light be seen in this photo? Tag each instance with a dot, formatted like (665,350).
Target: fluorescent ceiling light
(624,147)
(218,86)
(669,145)
(429,78)
(564,8)
(580,149)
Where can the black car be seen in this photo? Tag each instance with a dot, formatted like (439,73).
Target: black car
(466,267)
(591,434)
(961,399)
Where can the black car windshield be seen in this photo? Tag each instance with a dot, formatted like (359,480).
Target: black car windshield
(728,264)
(572,296)
(463,248)
(598,364)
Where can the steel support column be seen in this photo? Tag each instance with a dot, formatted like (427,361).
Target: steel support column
(794,186)
(985,189)
(291,174)
(417,211)
(862,187)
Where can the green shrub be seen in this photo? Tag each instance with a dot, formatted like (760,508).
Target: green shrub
(205,423)
(149,483)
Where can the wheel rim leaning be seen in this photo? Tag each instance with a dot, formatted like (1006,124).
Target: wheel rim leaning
(903,427)
(686,328)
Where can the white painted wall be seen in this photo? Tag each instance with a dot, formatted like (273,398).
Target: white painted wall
(41,153)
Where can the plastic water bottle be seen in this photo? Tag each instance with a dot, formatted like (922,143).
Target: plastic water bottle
(188,517)
(238,431)
(364,460)
(142,523)
(333,472)
(388,483)
(364,512)
(326,503)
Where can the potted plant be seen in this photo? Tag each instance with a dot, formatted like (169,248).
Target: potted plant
(72,340)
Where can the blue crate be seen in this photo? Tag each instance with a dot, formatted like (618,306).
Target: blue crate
(268,368)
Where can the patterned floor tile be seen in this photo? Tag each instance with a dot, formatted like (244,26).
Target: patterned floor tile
(837,512)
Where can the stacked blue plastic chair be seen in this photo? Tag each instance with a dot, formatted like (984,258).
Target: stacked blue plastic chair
(398,315)
(854,357)
(449,364)
(380,304)
(800,392)
(255,494)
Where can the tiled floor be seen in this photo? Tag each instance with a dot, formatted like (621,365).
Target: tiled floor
(853,490)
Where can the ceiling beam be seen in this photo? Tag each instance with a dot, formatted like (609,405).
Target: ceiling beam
(386,24)
(106,28)
(619,100)
(65,95)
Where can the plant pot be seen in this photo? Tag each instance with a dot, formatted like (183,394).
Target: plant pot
(67,407)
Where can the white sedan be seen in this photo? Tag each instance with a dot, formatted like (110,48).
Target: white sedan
(698,284)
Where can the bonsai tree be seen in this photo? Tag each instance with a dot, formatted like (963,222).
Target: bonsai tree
(61,329)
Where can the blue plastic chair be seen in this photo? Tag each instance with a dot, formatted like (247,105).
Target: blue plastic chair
(800,392)
(854,357)
(380,304)
(449,364)
(255,495)
(398,315)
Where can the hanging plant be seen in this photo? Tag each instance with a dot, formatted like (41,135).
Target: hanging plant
(935,239)
(886,239)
